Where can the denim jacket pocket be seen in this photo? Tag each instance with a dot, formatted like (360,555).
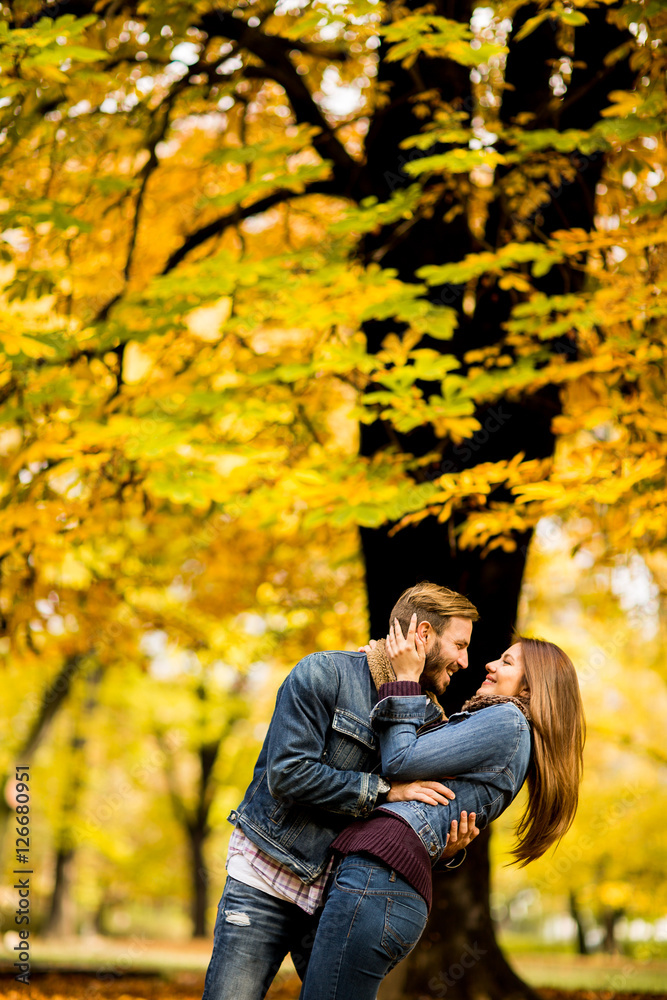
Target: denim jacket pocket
(351,725)
(352,742)
(277,815)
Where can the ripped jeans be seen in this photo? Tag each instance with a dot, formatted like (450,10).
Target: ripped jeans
(253,934)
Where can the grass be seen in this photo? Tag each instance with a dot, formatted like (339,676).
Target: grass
(614,973)
(106,957)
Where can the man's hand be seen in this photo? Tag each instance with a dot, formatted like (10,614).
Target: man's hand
(460,835)
(432,792)
(372,643)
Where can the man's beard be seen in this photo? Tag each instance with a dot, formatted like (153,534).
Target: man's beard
(435,676)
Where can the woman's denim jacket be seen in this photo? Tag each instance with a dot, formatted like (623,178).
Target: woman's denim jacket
(315,772)
(486,753)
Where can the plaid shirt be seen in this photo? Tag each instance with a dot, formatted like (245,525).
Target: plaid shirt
(280,878)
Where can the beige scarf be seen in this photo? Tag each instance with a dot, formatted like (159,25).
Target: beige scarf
(478,701)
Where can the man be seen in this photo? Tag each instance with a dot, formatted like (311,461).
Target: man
(316,772)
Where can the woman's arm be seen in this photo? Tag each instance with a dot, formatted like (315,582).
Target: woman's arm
(485,739)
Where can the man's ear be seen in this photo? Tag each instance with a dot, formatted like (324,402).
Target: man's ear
(424,630)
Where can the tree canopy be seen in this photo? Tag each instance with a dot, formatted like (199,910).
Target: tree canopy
(184,304)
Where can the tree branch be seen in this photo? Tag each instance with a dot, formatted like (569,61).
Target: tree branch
(263,44)
(574,96)
(238,215)
(52,698)
(149,168)
(274,53)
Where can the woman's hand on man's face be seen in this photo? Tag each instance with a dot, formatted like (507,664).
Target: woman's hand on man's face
(407,653)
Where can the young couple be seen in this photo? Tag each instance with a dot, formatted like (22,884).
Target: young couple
(347,808)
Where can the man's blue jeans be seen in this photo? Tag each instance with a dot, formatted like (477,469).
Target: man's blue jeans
(253,933)
(372,919)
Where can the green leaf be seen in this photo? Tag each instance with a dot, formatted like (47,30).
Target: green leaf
(113,185)
(293,181)
(435,37)
(455,161)
(474,265)
(371,213)
(573,17)
(656,208)
(529,141)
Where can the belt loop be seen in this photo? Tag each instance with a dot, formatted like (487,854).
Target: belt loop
(392,875)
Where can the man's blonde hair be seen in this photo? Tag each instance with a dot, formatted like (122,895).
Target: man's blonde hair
(433,604)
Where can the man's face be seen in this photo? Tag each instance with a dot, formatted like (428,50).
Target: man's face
(445,654)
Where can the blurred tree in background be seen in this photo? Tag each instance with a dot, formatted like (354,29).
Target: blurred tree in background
(233,234)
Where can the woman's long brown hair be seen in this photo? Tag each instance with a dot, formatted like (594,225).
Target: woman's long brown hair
(559,734)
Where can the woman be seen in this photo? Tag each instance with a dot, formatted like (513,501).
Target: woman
(525,722)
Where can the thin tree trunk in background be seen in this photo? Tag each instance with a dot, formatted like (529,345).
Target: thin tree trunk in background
(199,879)
(194,819)
(198,827)
(610,918)
(53,698)
(575,912)
(61,920)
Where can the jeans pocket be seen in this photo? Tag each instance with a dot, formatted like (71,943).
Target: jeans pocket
(404,922)
(352,878)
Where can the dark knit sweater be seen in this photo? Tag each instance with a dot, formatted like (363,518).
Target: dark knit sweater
(390,839)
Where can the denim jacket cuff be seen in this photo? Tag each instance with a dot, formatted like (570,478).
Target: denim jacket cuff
(370,790)
(403,708)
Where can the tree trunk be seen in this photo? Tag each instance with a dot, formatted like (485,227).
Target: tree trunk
(199,881)
(53,698)
(582,947)
(61,921)
(458,956)
(194,819)
(610,917)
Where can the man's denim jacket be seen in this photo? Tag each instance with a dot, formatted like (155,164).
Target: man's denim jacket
(482,756)
(319,766)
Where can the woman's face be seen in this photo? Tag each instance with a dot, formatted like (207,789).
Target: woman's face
(505,675)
